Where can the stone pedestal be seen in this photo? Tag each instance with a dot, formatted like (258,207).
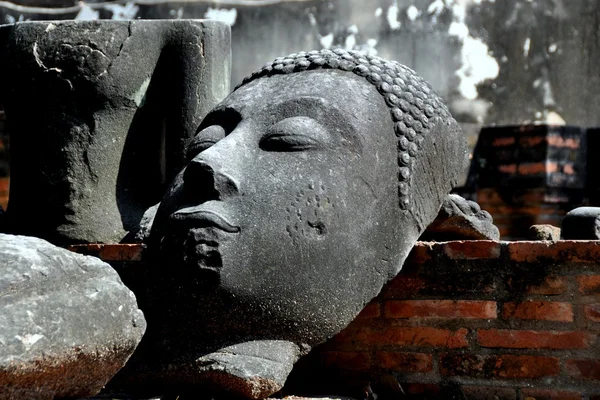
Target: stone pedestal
(99,114)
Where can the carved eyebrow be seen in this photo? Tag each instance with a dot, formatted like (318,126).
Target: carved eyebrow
(225,116)
(336,120)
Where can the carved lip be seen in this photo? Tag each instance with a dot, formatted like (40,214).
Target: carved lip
(212,213)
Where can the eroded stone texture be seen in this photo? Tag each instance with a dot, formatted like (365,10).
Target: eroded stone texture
(544,232)
(304,192)
(67,322)
(100,113)
(582,223)
(461,219)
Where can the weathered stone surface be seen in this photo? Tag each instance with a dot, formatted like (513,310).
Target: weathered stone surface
(582,223)
(304,192)
(461,219)
(145,225)
(544,232)
(115,103)
(67,323)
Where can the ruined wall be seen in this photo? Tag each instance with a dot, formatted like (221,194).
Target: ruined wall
(462,320)
(505,62)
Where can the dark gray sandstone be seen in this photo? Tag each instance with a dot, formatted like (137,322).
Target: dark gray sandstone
(67,322)
(461,219)
(99,114)
(304,192)
(582,223)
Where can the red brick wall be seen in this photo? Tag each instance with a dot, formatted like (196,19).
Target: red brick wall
(469,320)
(516,210)
(4,186)
(490,320)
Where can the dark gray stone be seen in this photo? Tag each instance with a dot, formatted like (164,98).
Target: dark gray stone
(582,223)
(461,219)
(473,52)
(99,114)
(67,322)
(544,232)
(145,225)
(304,192)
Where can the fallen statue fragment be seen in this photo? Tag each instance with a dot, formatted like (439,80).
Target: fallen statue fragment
(67,322)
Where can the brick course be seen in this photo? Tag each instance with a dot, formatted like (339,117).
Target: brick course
(466,320)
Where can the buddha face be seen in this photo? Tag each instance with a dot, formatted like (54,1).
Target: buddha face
(286,216)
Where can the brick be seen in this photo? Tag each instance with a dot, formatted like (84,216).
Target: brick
(539,310)
(405,362)
(583,369)
(488,393)
(472,250)
(547,394)
(513,339)
(467,309)
(557,252)
(525,367)
(551,285)
(589,284)
(371,310)
(592,312)
(421,336)
(421,253)
(354,361)
(423,390)
(447,285)
(506,366)
(111,252)
(403,285)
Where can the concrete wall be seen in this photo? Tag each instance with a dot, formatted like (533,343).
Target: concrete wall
(494,61)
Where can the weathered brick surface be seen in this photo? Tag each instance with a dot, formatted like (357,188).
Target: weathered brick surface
(545,252)
(419,336)
(464,250)
(551,285)
(440,309)
(404,362)
(111,252)
(469,320)
(372,310)
(499,366)
(548,394)
(584,369)
(592,312)
(539,310)
(589,284)
(525,339)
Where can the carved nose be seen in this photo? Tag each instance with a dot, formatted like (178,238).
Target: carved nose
(207,181)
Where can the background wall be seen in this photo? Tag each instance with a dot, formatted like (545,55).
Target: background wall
(494,61)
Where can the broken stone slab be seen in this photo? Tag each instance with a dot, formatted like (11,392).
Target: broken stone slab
(100,114)
(544,232)
(67,322)
(582,223)
(461,219)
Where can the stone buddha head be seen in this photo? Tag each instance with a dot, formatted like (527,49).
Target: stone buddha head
(304,192)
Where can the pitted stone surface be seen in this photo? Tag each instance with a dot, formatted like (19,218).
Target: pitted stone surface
(115,103)
(67,322)
(461,219)
(414,106)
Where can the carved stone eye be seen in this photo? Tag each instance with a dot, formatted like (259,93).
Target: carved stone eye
(295,134)
(204,139)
